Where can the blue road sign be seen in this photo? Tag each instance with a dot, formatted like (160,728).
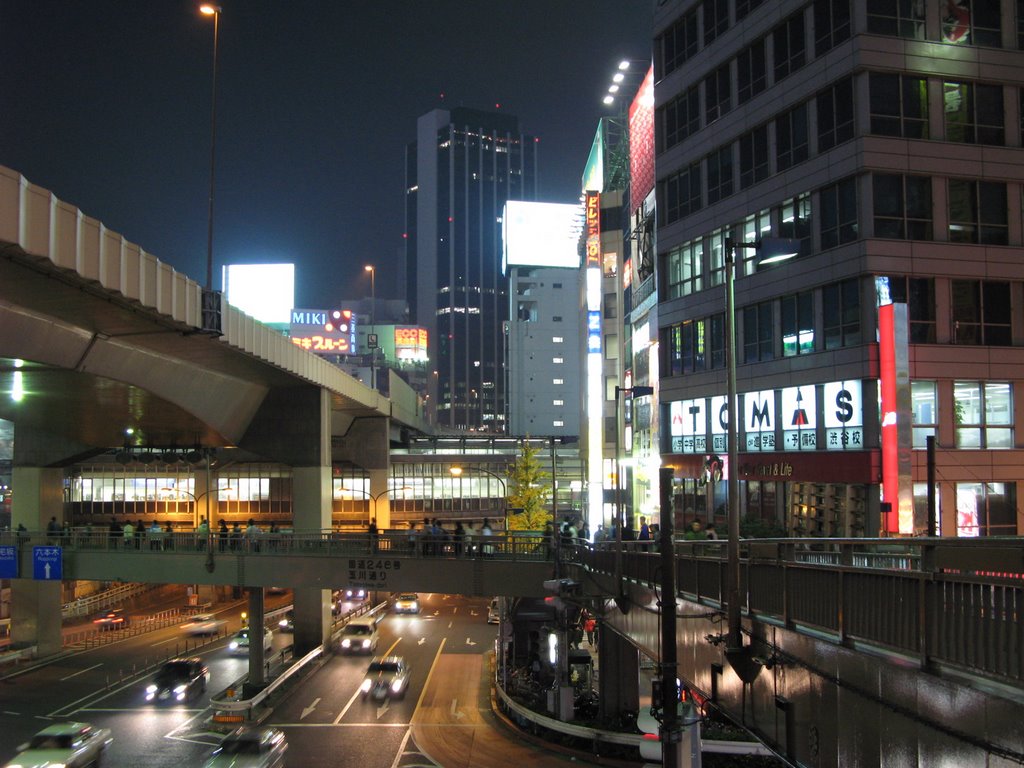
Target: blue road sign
(8,562)
(46,563)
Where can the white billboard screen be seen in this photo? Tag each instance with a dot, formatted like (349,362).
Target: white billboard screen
(263,291)
(541,234)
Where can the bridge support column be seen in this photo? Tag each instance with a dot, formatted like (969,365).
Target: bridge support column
(257,674)
(367,444)
(36,605)
(618,690)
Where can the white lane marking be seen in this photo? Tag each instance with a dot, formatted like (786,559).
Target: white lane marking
(401,749)
(381,710)
(310,708)
(81,671)
(346,708)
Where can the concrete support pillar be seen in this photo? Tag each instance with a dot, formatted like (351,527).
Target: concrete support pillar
(35,605)
(621,690)
(257,656)
(381,506)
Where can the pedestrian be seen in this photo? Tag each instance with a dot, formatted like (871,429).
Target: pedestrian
(589,625)
(486,533)
(168,536)
(202,534)
(53,532)
(644,537)
(458,537)
(695,533)
(222,536)
(113,532)
(372,531)
(236,536)
(128,532)
(413,536)
(156,535)
(710,532)
(470,533)
(252,535)
(600,535)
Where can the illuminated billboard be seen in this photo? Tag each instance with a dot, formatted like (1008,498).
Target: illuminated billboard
(541,234)
(263,291)
(410,343)
(324,331)
(641,142)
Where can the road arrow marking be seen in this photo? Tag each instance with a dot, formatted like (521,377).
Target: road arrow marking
(469,642)
(454,710)
(421,641)
(383,709)
(310,708)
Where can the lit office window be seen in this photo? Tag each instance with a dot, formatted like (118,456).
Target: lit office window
(557,360)
(558,423)
(924,403)
(983,411)
(558,382)
(558,402)
(557,340)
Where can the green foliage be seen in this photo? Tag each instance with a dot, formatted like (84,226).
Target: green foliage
(529,490)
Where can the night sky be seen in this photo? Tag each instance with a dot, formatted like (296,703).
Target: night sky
(107,104)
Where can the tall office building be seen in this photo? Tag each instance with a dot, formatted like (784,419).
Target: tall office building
(886,138)
(463,167)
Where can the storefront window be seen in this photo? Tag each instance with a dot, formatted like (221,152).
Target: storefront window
(986,509)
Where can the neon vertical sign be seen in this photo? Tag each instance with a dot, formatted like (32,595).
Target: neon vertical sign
(595,373)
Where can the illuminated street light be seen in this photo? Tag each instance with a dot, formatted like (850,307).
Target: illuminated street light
(215,11)
(770,251)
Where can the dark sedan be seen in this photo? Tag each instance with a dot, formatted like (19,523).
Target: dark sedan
(178,680)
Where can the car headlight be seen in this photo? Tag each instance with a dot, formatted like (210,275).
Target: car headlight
(365,687)
(346,643)
(233,645)
(366,643)
(396,685)
(414,606)
(283,623)
(180,688)
(151,689)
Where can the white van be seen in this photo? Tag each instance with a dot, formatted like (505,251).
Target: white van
(360,635)
(494,612)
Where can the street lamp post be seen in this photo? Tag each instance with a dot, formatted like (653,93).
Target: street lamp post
(634,392)
(195,501)
(214,11)
(373,305)
(770,250)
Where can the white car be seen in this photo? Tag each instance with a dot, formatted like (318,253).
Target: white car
(74,745)
(250,748)
(239,645)
(203,624)
(386,677)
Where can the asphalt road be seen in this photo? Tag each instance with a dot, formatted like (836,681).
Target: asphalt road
(324,717)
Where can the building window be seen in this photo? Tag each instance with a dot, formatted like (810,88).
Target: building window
(897,18)
(717,344)
(717,94)
(744,7)
(751,72)
(899,105)
(716,19)
(977,212)
(556,318)
(611,347)
(974,113)
(557,340)
(981,313)
(841,304)
(685,269)
(797,311)
(924,405)
(788,44)
(752,229)
(716,254)
(678,43)
(838,213)
(831,24)
(918,293)
(720,174)
(680,117)
(757,333)
(754,165)
(558,423)
(794,217)
(972,22)
(902,206)
(558,402)
(687,347)
(983,413)
(791,137)
(986,509)
(560,360)
(558,382)
(680,194)
(611,306)
(835,114)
